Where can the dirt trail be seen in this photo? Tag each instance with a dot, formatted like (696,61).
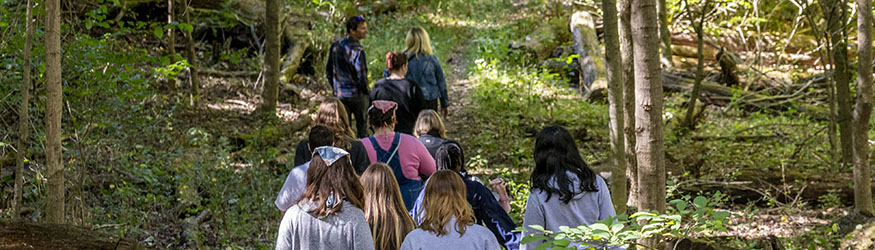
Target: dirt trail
(458,87)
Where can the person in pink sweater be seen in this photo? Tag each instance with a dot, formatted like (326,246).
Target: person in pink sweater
(407,156)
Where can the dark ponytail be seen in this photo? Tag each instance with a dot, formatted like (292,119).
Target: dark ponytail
(395,60)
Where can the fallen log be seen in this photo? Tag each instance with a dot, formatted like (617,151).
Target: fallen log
(29,235)
(791,188)
(712,91)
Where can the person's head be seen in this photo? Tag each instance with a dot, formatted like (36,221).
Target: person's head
(357,27)
(320,136)
(429,122)
(332,114)
(396,62)
(384,208)
(556,158)
(331,180)
(450,156)
(418,41)
(444,200)
(381,114)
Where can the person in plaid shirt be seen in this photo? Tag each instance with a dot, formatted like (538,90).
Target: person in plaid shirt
(347,72)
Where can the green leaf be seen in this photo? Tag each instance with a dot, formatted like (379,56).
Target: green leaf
(562,243)
(537,227)
(617,227)
(532,238)
(186,27)
(544,246)
(700,201)
(720,215)
(88,23)
(158,32)
(599,226)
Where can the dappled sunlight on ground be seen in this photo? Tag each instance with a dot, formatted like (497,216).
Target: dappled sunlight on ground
(781,224)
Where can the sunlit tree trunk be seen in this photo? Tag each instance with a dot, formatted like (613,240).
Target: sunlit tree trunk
(664,34)
(270,92)
(626,52)
(192,59)
(54,99)
(835,15)
(171,34)
(648,109)
(615,90)
(23,114)
(862,186)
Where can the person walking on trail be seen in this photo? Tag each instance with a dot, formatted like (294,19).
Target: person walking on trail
(296,181)
(488,212)
(347,72)
(565,191)
(404,92)
(408,158)
(328,215)
(332,114)
(384,208)
(424,68)
(448,221)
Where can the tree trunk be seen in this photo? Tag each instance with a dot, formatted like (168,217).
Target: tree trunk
(614,74)
(648,112)
(23,113)
(834,11)
(626,52)
(862,190)
(54,100)
(171,34)
(270,92)
(664,34)
(700,68)
(192,60)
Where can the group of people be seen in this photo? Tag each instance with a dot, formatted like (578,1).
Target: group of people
(405,186)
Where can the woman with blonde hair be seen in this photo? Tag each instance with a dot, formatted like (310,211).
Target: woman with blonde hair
(424,68)
(332,114)
(430,130)
(448,220)
(384,209)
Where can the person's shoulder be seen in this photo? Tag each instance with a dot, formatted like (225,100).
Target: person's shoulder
(479,231)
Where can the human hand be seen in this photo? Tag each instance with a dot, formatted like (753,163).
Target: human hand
(445,111)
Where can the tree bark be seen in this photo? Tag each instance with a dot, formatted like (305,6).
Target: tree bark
(700,67)
(836,34)
(270,92)
(862,190)
(54,100)
(23,113)
(664,34)
(648,109)
(614,75)
(171,34)
(192,60)
(626,52)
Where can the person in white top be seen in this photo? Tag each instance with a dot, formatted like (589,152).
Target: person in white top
(297,179)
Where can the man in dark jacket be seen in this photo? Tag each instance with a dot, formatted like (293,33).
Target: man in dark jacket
(347,72)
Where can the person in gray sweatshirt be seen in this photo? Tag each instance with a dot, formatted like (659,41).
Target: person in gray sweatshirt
(328,214)
(565,191)
(448,221)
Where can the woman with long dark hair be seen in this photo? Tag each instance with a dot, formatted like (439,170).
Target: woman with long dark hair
(328,215)
(565,191)
(448,220)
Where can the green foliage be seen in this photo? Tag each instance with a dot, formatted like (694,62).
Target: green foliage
(685,219)
(831,199)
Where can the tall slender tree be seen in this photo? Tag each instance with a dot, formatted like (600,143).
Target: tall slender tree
(626,52)
(664,34)
(614,74)
(23,114)
(648,109)
(862,179)
(269,94)
(700,66)
(171,34)
(834,12)
(191,55)
(54,100)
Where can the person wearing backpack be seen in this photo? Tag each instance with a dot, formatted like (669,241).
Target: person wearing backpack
(409,159)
